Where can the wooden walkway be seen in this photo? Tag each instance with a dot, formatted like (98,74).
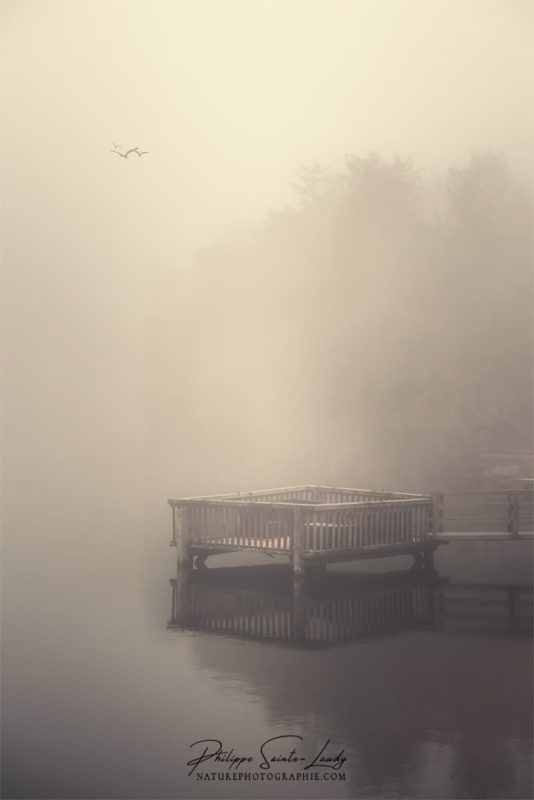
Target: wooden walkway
(484,516)
(316,525)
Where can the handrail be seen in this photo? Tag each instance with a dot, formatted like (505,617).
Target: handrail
(483,492)
(420,500)
(417,501)
(255,493)
(194,501)
(511,503)
(303,488)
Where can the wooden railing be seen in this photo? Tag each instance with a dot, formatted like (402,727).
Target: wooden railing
(508,512)
(334,494)
(301,494)
(299,527)
(236,523)
(353,525)
(309,494)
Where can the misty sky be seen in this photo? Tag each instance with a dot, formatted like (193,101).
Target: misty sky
(230,95)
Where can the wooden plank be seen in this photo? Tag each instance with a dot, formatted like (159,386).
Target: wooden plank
(370,551)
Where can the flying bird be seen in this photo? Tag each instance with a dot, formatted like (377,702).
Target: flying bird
(131,150)
(115,145)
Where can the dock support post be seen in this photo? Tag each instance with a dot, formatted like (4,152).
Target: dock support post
(418,561)
(183,558)
(437,513)
(297,542)
(200,560)
(424,559)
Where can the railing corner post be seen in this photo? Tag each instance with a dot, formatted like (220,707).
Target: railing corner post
(172,543)
(436,514)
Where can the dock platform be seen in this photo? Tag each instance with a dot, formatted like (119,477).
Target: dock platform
(313,525)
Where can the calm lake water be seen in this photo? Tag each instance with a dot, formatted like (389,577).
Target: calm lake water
(423,683)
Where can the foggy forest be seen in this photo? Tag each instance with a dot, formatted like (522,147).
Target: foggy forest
(378,328)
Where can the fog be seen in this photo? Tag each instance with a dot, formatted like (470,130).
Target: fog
(189,321)
(320,272)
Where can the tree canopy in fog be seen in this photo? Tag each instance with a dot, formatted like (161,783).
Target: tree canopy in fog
(378,330)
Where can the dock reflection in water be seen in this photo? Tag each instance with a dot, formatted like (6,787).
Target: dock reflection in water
(264,603)
(423,678)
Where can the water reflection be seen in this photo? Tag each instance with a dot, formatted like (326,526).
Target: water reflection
(430,696)
(265,604)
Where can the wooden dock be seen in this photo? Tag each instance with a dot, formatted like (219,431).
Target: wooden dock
(317,525)
(313,525)
(484,516)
